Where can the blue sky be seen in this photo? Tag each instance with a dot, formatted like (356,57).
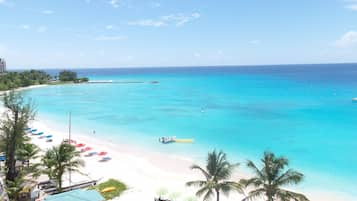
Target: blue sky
(125,33)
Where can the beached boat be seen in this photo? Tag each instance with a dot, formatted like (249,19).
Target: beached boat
(172,139)
(166,140)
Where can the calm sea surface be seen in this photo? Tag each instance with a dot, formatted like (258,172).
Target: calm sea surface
(304,112)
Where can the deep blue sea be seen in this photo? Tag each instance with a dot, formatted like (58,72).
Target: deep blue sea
(303,112)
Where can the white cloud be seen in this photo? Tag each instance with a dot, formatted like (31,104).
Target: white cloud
(3,49)
(41,29)
(109,27)
(110,38)
(25,26)
(7,3)
(347,40)
(352,7)
(148,23)
(48,12)
(114,3)
(177,19)
(155,4)
(254,42)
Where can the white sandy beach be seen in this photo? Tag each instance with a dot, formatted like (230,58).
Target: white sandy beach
(23,88)
(146,172)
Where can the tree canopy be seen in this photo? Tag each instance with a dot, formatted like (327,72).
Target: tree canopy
(67,76)
(13,80)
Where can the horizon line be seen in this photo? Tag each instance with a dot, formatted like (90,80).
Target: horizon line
(185,66)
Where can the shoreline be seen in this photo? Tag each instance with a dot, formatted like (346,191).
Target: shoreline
(23,88)
(147,171)
(141,168)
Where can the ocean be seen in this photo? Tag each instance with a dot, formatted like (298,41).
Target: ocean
(303,112)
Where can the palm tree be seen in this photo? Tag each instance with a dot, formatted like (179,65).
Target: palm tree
(61,159)
(14,188)
(26,152)
(218,171)
(268,181)
(13,125)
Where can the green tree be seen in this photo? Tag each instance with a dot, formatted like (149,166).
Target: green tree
(218,171)
(14,188)
(66,76)
(12,80)
(26,152)
(13,125)
(61,159)
(268,181)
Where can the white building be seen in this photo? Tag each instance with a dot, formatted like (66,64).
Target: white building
(2,65)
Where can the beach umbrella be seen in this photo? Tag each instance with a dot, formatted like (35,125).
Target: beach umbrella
(40,133)
(93,153)
(48,136)
(80,145)
(33,130)
(86,149)
(104,159)
(103,153)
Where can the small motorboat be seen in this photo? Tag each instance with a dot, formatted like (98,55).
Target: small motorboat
(167,140)
(354,100)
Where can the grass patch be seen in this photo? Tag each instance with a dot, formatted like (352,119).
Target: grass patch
(119,188)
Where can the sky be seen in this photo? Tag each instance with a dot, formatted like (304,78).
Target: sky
(145,33)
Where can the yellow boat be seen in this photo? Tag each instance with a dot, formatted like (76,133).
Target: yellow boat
(184,140)
(108,189)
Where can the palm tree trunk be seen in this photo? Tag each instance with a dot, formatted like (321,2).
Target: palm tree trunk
(217,192)
(270,197)
(59,180)
(11,161)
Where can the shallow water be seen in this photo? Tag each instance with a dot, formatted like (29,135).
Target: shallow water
(303,112)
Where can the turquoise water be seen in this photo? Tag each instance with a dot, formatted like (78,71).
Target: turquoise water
(302,112)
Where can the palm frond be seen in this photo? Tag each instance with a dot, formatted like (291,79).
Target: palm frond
(228,186)
(204,172)
(208,196)
(197,183)
(202,190)
(289,177)
(255,181)
(254,194)
(286,195)
(255,169)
